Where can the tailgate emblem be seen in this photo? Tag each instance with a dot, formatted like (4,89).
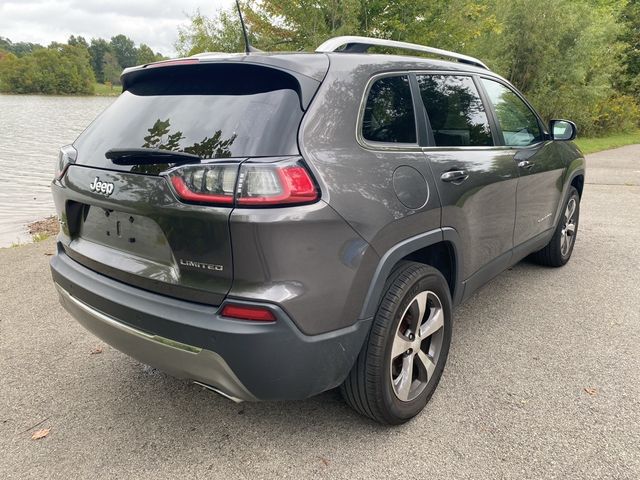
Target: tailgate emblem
(205,266)
(105,188)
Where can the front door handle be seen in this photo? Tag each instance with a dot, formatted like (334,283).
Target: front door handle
(525,164)
(454,176)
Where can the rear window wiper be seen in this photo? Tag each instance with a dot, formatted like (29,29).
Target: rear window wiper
(149,156)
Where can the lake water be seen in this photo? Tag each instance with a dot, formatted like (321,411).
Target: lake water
(32,129)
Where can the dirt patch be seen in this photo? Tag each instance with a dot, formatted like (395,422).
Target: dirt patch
(46,227)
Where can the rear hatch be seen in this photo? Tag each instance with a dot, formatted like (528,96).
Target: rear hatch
(122,213)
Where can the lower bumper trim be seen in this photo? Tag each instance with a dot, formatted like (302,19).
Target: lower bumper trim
(178,359)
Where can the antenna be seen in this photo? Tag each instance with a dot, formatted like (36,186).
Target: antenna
(247,46)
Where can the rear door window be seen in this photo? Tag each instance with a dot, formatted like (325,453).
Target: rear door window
(518,123)
(388,114)
(455,110)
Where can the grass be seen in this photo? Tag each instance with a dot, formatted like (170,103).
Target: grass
(103,90)
(597,144)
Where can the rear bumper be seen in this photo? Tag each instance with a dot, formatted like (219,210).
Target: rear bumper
(242,360)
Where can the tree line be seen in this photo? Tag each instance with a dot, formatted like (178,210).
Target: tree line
(577,59)
(68,68)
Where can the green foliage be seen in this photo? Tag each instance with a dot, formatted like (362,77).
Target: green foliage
(107,90)
(145,55)
(77,41)
(111,69)
(124,50)
(60,69)
(564,55)
(71,68)
(19,49)
(577,59)
(222,33)
(619,113)
(98,48)
(630,36)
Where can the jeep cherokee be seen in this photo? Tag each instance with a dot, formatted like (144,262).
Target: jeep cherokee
(272,226)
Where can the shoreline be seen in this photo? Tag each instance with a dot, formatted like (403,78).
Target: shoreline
(44,228)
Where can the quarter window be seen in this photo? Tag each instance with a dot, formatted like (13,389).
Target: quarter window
(388,114)
(518,123)
(456,114)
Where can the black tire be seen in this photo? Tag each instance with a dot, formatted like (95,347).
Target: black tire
(369,387)
(552,255)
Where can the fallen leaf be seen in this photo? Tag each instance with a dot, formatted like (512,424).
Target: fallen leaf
(96,351)
(591,391)
(38,434)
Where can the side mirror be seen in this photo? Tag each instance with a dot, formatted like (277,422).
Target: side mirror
(563,130)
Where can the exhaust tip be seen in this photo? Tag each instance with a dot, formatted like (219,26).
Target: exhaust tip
(219,392)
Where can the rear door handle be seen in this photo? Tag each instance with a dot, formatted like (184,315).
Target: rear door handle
(525,164)
(454,176)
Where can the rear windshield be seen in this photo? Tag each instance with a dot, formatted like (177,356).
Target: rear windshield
(213,112)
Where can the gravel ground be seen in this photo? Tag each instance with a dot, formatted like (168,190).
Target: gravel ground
(542,382)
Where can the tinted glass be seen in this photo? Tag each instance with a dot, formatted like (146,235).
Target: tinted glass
(518,123)
(211,115)
(388,114)
(455,111)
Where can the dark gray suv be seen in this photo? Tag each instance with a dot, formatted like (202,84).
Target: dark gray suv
(272,226)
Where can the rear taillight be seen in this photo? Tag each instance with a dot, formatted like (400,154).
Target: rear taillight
(66,156)
(254,185)
(212,184)
(275,184)
(245,312)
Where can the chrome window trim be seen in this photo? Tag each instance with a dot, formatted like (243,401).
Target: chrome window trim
(384,146)
(415,147)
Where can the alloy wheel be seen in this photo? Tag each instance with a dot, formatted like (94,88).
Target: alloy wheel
(417,345)
(568,233)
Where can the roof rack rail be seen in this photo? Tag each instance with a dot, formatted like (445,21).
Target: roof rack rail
(354,44)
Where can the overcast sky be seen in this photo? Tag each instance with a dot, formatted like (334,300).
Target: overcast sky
(154,22)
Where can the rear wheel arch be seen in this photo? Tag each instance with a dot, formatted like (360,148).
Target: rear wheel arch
(437,248)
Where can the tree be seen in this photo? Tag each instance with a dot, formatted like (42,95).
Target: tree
(222,33)
(146,55)
(111,69)
(19,49)
(630,17)
(97,50)
(124,50)
(77,41)
(564,55)
(61,69)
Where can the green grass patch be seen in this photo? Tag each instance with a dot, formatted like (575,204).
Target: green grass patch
(597,144)
(40,236)
(103,90)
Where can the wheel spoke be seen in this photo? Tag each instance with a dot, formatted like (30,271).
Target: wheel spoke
(403,381)
(421,300)
(571,209)
(426,363)
(434,323)
(400,345)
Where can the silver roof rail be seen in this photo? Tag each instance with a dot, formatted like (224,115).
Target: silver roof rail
(354,44)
